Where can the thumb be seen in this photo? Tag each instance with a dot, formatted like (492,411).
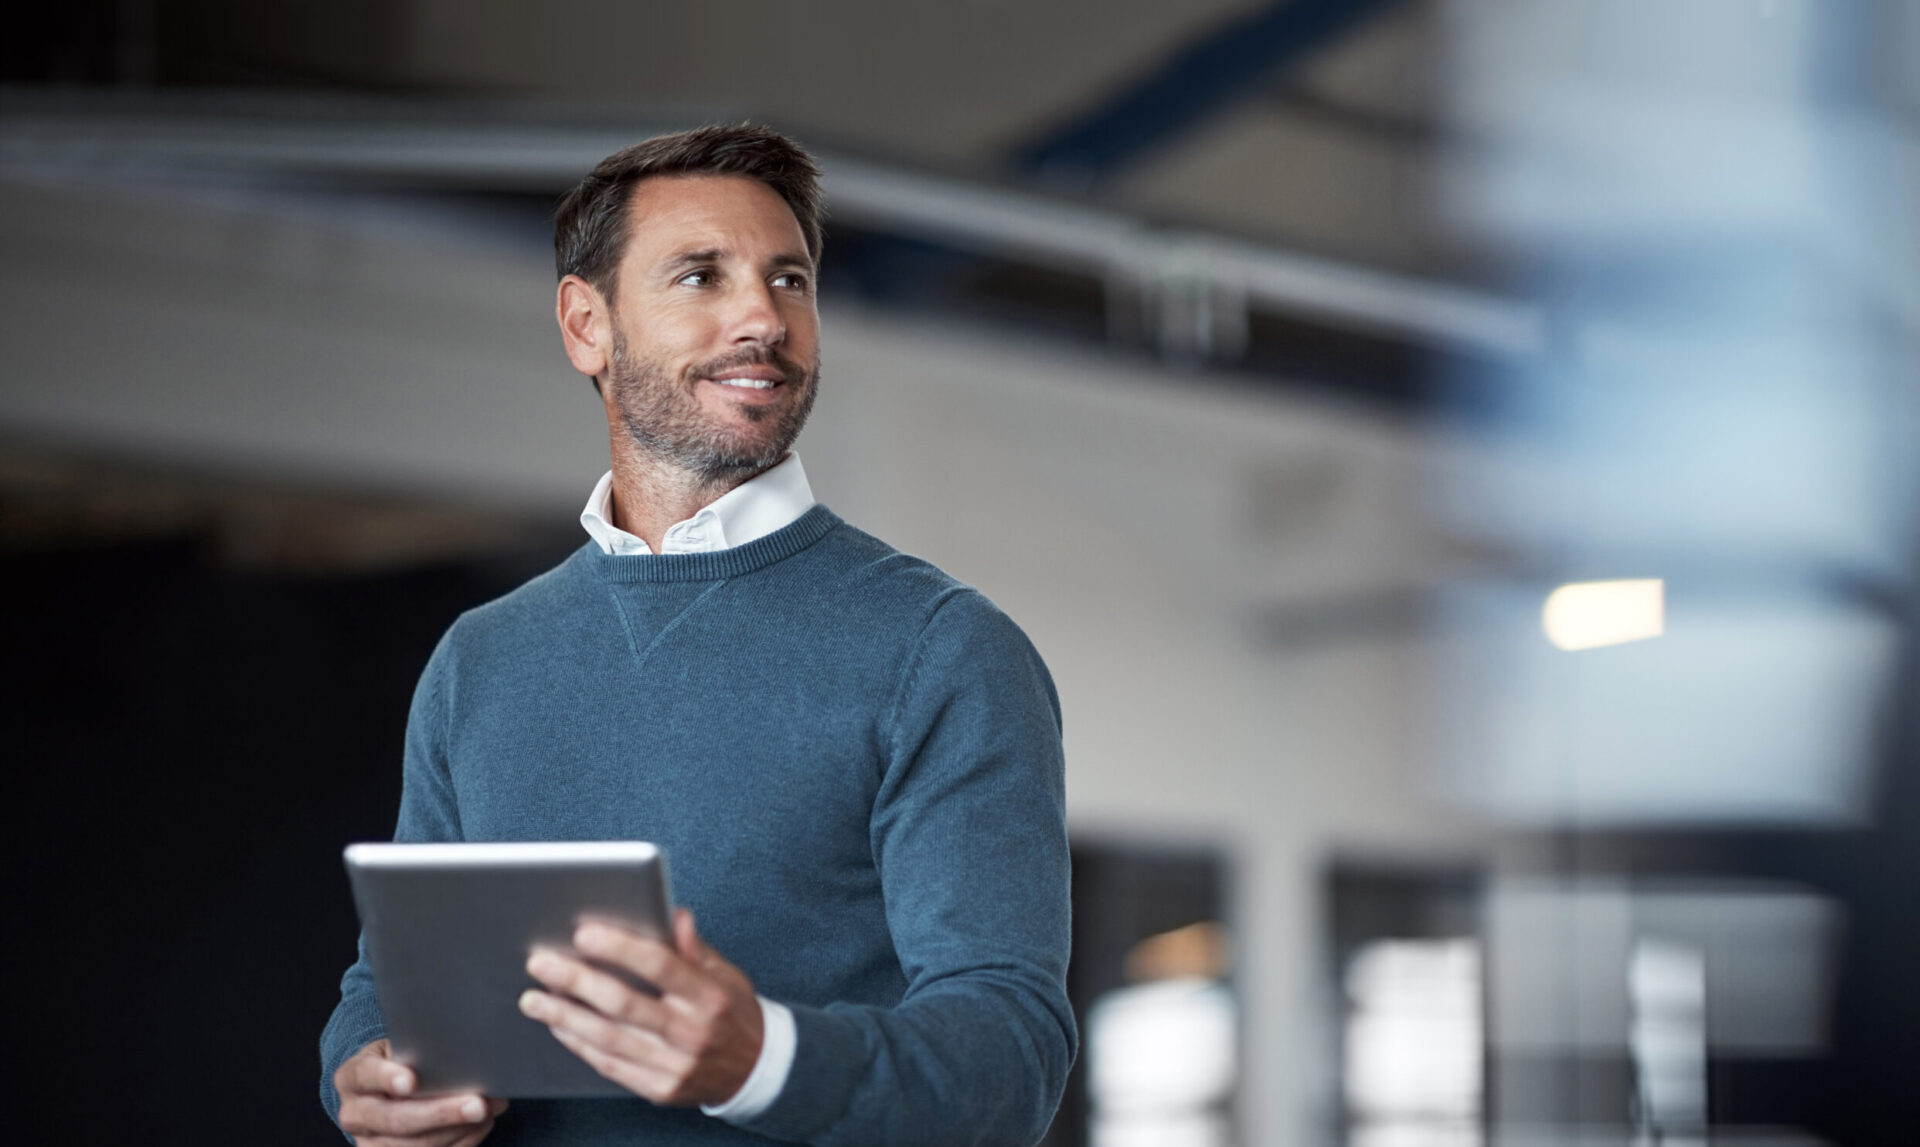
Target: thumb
(686,937)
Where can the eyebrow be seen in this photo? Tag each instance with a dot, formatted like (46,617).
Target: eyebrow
(689,258)
(701,255)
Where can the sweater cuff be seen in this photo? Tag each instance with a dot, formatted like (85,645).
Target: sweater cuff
(769,1076)
(829,1056)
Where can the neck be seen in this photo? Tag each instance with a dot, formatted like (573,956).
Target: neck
(649,495)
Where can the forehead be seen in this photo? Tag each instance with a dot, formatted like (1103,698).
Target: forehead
(672,213)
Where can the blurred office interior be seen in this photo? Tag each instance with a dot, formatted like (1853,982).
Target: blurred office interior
(1457,458)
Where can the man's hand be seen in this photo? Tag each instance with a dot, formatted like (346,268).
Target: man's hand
(376,1110)
(695,1043)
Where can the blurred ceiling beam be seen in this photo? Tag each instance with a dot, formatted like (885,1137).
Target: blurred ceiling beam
(504,146)
(1405,131)
(1195,82)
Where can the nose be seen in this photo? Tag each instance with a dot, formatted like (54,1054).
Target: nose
(756,315)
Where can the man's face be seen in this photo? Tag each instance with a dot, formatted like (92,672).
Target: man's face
(716,352)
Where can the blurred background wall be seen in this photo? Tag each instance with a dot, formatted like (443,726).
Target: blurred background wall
(1272,364)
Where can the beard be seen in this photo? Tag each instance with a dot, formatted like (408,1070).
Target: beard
(665,419)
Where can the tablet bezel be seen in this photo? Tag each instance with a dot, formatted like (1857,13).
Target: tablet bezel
(448,927)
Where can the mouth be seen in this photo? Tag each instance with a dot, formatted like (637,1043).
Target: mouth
(754,384)
(749,376)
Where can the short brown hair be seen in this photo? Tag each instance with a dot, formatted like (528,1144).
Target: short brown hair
(590,226)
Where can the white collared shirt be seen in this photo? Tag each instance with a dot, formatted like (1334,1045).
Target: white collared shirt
(746,513)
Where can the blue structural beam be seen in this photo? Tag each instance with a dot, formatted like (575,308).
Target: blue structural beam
(1198,80)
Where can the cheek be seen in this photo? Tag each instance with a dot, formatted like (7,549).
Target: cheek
(803,326)
(675,336)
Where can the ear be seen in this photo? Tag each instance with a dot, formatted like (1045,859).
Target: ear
(586,326)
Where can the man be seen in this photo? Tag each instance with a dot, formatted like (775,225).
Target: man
(852,760)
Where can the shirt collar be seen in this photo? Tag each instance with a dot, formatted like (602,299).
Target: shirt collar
(746,513)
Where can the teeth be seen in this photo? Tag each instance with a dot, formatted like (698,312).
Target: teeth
(749,383)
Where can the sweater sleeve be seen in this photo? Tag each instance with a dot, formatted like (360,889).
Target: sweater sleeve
(969,833)
(427,812)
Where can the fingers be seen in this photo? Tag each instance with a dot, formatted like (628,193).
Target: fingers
(600,990)
(440,1137)
(373,1071)
(374,1104)
(495,1109)
(696,1042)
(411,1117)
(441,1120)
(692,995)
(651,960)
(687,939)
(470,1138)
(643,1046)
(463,1136)
(644,1080)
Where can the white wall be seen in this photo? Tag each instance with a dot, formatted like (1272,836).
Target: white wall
(1133,520)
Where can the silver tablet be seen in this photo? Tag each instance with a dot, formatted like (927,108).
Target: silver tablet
(449,928)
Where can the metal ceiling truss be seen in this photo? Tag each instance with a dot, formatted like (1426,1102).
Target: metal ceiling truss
(1192,289)
(1229,63)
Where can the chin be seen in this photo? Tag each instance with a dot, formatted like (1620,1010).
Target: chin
(750,443)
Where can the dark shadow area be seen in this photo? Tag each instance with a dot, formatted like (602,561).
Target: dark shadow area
(191,748)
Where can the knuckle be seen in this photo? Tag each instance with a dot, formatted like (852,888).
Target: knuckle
(351,1120)
(695,1042)
(683,1032)
(364,1112)
(637,1008)
(603,992)
(597,1027)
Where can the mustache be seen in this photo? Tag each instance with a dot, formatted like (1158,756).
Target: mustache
(750,356)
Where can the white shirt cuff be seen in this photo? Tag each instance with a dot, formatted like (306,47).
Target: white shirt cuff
(778,1041)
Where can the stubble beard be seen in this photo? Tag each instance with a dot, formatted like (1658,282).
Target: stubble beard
(665,420)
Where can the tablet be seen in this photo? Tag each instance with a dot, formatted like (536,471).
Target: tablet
(448,930)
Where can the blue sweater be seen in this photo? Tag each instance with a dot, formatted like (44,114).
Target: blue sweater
(853,762)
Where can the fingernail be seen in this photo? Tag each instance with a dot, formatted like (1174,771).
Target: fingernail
(473,1111)
(531,1003)
(403,1083)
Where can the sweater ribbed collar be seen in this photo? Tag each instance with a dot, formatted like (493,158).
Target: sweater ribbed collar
(781,544)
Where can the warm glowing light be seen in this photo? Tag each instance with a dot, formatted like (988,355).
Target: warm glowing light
(1590,614)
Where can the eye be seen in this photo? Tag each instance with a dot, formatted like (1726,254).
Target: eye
(792,280)
(700,278)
